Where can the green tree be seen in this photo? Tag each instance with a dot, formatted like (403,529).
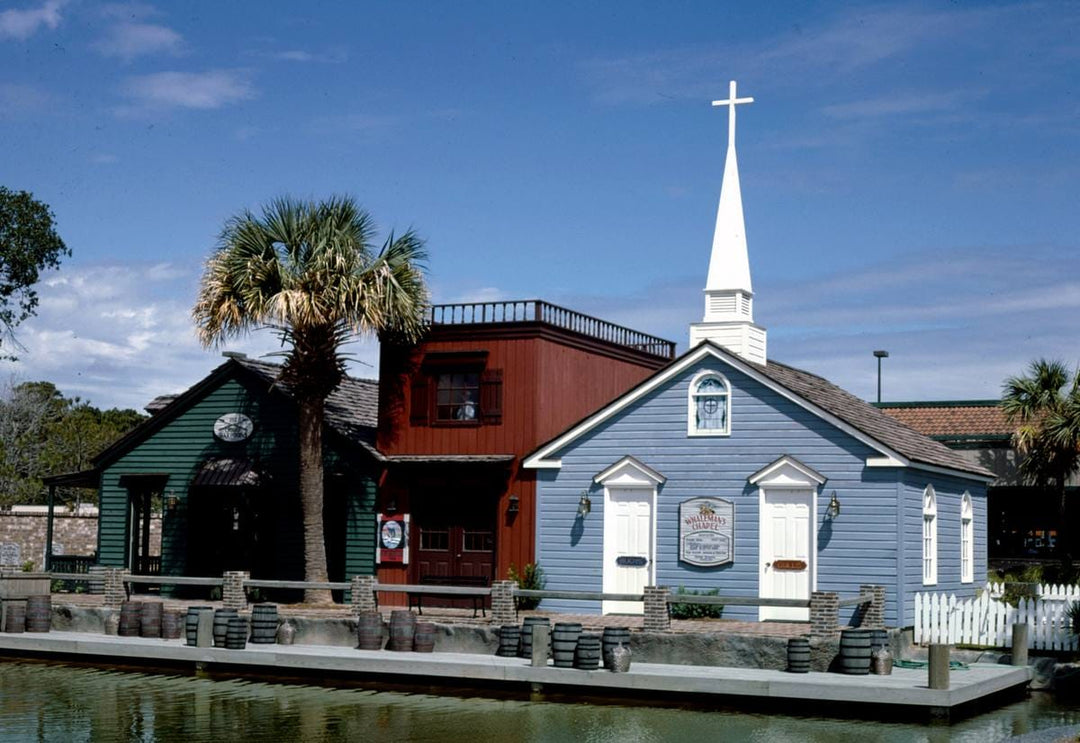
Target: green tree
(1045,406)
(309,271)
(28,244)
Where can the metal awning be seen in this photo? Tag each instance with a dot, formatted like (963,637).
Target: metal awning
(228,472)
(84,479)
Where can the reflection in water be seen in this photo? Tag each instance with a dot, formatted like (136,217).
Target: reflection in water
(59,703)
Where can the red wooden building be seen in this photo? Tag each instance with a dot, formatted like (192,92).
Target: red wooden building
(458,411)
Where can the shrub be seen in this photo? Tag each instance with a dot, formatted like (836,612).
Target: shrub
(696,611)
(531,578)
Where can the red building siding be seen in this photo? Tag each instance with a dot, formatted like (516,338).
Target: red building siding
(551,377)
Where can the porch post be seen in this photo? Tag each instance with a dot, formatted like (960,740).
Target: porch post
(232,589)
(49,528)
(502,602)
(363,594)
(824,615)
(657,615)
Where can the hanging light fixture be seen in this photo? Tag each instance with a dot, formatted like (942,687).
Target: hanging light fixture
(584,505)
(513,505)
(834,506)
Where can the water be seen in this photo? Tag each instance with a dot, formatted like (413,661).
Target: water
(40,702)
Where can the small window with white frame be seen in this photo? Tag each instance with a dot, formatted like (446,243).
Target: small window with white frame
(967,540)
(709,409)
(929,537)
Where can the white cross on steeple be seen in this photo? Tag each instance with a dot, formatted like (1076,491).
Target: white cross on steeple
(731,102)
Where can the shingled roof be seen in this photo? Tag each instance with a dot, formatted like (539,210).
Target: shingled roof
(819,394)
(953,420)
(352,410)
(890,431)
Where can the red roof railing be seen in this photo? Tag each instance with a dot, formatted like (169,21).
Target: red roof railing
(535,310)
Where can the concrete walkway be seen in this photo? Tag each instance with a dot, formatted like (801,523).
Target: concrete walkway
(904,688)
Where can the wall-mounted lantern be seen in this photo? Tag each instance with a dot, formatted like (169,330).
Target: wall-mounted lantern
(172,501)
(834,507)
(513,505)
(584,505)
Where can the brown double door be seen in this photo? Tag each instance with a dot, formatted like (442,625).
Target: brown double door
(453,538)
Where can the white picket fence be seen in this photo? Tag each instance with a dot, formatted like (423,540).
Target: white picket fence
(987,620)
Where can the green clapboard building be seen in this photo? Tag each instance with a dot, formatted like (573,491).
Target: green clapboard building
(221,463)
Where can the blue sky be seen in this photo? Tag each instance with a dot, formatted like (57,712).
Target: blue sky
(909,171)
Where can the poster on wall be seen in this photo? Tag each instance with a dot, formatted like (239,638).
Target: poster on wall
(392,539)
(707,531)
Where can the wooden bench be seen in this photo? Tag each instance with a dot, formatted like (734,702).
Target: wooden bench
(466,581)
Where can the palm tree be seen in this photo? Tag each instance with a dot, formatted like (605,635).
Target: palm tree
(1045,405)
(309,271)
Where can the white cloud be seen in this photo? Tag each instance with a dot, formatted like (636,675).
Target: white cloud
(130,40)
(900,104)
(192,90)
(120,335)
(331,56)
(24,23)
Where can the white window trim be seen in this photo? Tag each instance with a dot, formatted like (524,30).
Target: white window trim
(691,408)
(967,540)
(929,537)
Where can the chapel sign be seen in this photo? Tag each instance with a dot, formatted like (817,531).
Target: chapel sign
(707,531)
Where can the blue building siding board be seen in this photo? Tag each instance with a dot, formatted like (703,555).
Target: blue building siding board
(860,546)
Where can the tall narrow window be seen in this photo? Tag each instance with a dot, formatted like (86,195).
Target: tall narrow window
(929,537)
(967,541)
(709,412)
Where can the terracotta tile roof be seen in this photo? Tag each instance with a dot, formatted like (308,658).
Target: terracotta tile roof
(893,433)
(952,419)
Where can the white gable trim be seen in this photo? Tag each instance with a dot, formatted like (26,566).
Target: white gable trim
(787,472)
(542,458)
(629,472)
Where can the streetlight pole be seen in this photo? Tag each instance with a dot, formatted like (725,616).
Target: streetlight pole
(880,355)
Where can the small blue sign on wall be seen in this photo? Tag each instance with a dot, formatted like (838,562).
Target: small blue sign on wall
(707,531)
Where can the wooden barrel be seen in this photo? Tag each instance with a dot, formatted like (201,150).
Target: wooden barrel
(264,624)
(221,625)
(150,619)
(879,638)
(564,638)
(14,616)
(525,647)
(369,631)
(509,638)
(191,623)
(424,638)
(855,651)
(402,629)
(587,652)
(611,639)
(798,655)
(236,633)
(172,625)
(38,613)
(129,619)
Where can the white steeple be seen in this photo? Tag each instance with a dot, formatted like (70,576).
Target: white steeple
(729,297)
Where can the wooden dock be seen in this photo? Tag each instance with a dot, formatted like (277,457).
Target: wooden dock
(904,689)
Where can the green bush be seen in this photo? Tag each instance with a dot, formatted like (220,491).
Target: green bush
(696,611)
(531,578)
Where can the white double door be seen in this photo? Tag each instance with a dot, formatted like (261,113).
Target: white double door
(786,550)
(628,546)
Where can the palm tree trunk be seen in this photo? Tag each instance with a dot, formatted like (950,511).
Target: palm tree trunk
(311,498)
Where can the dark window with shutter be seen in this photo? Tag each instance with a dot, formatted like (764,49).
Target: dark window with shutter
(491,396)
(420,401)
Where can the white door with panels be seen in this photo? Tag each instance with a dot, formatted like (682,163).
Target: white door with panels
(628,546)
(786,550)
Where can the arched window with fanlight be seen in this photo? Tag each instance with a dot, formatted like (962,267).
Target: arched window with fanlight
(709,410)
(967,541)
(929,537)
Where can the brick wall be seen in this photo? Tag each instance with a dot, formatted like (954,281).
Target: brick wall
(72,535)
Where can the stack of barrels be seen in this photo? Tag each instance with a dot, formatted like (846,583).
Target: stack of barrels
(39,613)
(798,655)
(424,638)
(236,632)
(221,625)
(509,639)
(264,624)
(525,648)
(150,619)
(369,631)
(564,639)
(191,623)
(172,625)
(129,618)
(587,652)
